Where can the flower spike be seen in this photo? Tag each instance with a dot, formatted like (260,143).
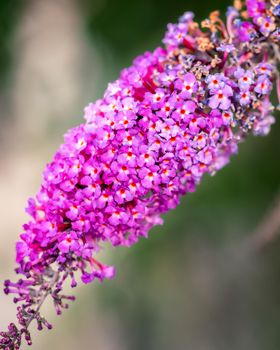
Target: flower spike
(177,113)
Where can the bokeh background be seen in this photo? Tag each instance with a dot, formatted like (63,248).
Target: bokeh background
(194,284)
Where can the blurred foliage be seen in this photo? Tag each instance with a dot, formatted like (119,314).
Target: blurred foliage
(9,14)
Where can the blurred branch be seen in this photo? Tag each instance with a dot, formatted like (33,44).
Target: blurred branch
(268,230)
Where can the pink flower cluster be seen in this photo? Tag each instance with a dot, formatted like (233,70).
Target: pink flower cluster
(174,115)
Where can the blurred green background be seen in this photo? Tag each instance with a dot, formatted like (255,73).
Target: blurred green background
(192,285)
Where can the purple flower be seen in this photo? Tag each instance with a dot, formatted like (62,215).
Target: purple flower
(220,98)
(68,242)
(255,8)
(245,78)
(262,127)
(184,110)
(149,177)
(227,117)
(156,99)
(266,25)
(245,98)
(99,271)
(264,68)
(246,31)
(187,86)
(175,34)
(216,81)
(263,85)
(186,17)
